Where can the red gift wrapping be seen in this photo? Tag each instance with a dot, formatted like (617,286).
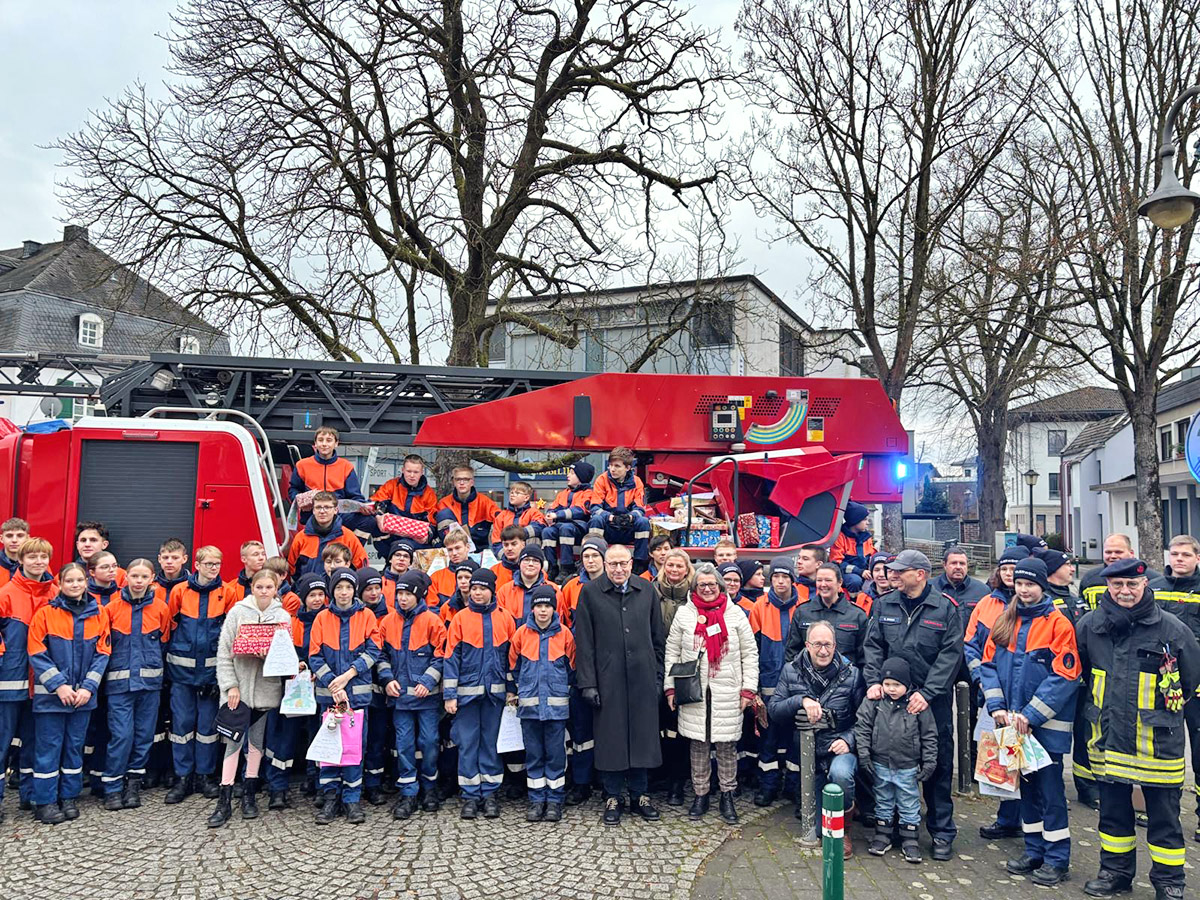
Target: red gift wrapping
(747,530)
(253,639)
(768,531)
(406,527)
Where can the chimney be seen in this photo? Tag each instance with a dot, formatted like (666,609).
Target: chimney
(29,248)
(71,232)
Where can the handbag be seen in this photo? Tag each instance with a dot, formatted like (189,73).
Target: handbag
(326,746)
(687,681)
(405,527)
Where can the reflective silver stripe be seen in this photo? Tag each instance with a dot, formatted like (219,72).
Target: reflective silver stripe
(638,535)
(352,784)
(584,745)
(558,701)
(14,685)
(78,771)
(768,766)
(994,694)
(1031,827)
(38,689)
(492,779)
(476,691)
(181,738)
(1042,708)
(120,675)
(468,782)
(362,689)
(53,774)
(791,766)
(973,664)
(186,662)
(206,738)
(767,691)
(1056,725)
(434,674)
(499,688)
(535,782)
(210,662)
(94,676)
(407,779)
(151,673)
(50,673)
(365,659)
(554,783)
(451,682)
(1061,834)
(323,671)
(528,701)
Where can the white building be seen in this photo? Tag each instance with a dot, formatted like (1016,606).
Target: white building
(1099,457)
(738,326)
(1038,434)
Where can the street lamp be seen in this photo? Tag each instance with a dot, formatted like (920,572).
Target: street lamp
(1171,205)
(1031,478)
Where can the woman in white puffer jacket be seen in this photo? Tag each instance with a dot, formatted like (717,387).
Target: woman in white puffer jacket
(714,627)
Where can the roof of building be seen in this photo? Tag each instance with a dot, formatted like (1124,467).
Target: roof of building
(74,269)
(1081,403)
(1177,394)
(1094,436)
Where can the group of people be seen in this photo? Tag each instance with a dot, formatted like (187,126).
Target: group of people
(620,669)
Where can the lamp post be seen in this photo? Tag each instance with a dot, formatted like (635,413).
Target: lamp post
(1031,478)
(1171,205)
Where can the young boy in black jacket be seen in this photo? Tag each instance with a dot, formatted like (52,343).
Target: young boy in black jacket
(898,749)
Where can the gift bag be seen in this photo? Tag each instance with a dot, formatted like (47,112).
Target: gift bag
(405,527)
(747,530)
(351,725)
(293,517)
(253,639)
(1033,755)
(990,771)
(768,531)
(281,656)
(510,738)
(326,746)
(299,698)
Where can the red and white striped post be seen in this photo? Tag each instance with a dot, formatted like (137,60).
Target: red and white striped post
(833,828)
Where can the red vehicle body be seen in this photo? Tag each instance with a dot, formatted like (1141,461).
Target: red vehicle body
(146,479)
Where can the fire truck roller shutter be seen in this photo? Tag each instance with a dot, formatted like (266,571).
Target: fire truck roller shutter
(143,492)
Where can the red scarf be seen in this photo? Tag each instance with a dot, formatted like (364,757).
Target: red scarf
(715,642)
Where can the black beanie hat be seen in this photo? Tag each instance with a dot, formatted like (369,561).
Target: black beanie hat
(897,669)
(484,578)
(1032,569)
(584,471)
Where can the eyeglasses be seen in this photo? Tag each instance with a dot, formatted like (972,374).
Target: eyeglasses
(821,645)
(465,480)
(620,564)
(707,587)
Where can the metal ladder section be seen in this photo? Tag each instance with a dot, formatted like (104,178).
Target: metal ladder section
(266,461)
(368,403)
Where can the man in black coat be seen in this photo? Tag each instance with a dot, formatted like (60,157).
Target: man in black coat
(620,644)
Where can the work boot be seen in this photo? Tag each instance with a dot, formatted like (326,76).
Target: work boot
(612,811)
(404,807)
(699,807)
(1049,876)
(224,809)
(1108,884)
(675,794)
(513,790)
(910,847)
(209,786)
(70,810)
(355,814)
(1022,865)
(535,812)
(728,811)
(50,814)
(279,800)
(582,793)
(131,797)
(881,843)
(766,796)
(553,812)
(310,786)
(1088,794)
(430,801)
(996,831)
(250,798)
(1168,892)
(644,808)
(847,841)
(112,802)
(942,850)
(181,790)
(491,807)
(470,809)
(329,808)
(374,796)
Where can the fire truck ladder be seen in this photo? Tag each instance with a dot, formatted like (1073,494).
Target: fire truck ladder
(368,403)
(71,375)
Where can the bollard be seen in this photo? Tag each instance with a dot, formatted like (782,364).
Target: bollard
(962,719)
(807,804)
(833,827)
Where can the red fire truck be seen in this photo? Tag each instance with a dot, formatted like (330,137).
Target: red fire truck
(192,451)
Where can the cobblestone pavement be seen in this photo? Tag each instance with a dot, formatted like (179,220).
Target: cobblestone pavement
(165,852)
(764,862)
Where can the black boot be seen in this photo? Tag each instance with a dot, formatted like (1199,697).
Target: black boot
(329,808)
(70,810)
(209,786)
(568,571)
(1168,892)
(181,790)
(113,801)
(355,814)
(728,811)
(404,807)
(766,796)
(279,800)
(553,812)
(1108,884)
(644,808)
(374,796)
(429,800)
(491,807)
(882,842)
(675,794)
(131,797)
(579,793)
(224,809)
(536,812)
(909,845)
(1022,865)
(699,807)
(50,814)
(250,798)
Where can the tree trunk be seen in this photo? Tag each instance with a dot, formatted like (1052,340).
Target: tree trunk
(893,527)
(993,503)
(1145,464)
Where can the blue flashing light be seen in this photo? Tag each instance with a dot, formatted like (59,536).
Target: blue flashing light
(901,469)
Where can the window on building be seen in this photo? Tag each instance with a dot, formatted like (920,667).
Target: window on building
(91,331)
(498,346)
(791,352)
(1058,524)
(1126,512)
(189,343)
(1056,440)
(713,324)
(1040,528)
(1164,444)
(593,353)
(1181,430)
(1053,486)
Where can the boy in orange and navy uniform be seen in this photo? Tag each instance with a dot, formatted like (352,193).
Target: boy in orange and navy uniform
(515,597)
(475,686)
(443,584)
(324,528)
(618,512)
(457,601)
(68,654)
(854,546)
(30,589)
(512,542)
(521,513)
(90,539)
(542,660)
(567,520)
(466,508)
(326,471)
(410,669)
(14,533)
(254,558)
(399,560)
(408,495)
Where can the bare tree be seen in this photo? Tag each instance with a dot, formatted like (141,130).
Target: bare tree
(879,119)
(319,168)
(1113,73)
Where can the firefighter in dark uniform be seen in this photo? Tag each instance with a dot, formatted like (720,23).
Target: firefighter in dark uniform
(1059,581)
(829,604)
(924,627)
(1116,547)
(1179,594)
(1140,665)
